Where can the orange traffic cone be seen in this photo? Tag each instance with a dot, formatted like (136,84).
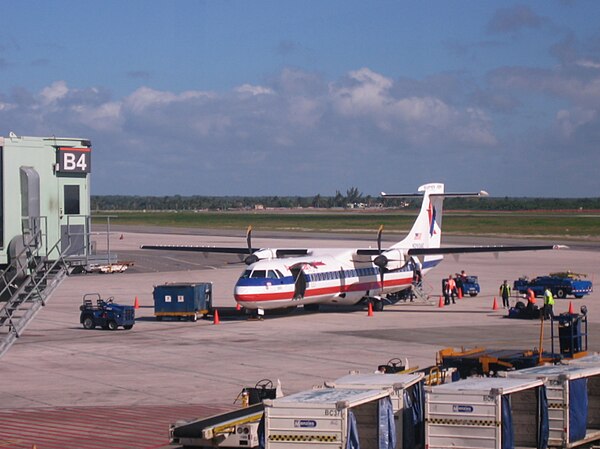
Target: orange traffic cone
(571,311)
(216,317)
(441,303)
(495,305)
(370,313)
(238,307)
(136,303)
(460,293)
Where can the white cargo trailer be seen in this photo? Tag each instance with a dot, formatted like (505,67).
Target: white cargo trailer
(330,418)
(486,413)
(573,401)
(407,395)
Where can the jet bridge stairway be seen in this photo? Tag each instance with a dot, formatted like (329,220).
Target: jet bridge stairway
(26,285)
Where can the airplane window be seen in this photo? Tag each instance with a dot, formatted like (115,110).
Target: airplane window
(259,274)
(246,274)
(279,274)
(271,274)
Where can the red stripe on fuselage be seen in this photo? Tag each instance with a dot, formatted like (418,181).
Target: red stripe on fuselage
(321,291)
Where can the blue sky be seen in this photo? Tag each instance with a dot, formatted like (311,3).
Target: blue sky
(309,97)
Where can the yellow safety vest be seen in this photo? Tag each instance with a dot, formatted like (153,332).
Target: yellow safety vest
(548,298)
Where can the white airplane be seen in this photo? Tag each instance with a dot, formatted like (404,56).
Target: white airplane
(279,278)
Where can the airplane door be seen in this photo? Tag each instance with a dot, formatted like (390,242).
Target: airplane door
(299,282)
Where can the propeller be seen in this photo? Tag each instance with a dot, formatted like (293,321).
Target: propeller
(380,261)
(250,258)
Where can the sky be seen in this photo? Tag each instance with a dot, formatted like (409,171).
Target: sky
(307,97)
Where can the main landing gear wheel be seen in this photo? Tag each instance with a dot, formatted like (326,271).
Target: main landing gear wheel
(377,305)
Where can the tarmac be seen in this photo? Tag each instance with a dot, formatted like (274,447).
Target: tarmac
(195,369)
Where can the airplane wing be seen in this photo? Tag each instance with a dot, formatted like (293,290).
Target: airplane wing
(281,252)
(480,249)
(202,249)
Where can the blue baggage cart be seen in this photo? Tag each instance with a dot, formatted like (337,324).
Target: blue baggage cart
(182,301)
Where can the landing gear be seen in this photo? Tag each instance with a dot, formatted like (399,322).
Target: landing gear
(377,304)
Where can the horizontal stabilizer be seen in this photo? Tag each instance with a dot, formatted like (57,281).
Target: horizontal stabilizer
(439,195)
(480,249)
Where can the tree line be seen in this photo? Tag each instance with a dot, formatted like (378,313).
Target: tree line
(352,199)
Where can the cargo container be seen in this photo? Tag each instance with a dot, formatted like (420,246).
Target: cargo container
(573,401)
(330,418)
(487,413)
(182,300)
(407,397)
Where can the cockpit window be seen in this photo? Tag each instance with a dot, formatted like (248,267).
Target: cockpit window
(246,274)
(279,274)
(272,275)
(259,274)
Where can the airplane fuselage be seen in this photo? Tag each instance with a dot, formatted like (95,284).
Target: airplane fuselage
(314,279)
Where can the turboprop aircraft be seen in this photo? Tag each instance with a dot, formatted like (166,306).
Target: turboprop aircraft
(277,278)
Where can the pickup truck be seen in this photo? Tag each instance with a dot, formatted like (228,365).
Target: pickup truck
(560,284)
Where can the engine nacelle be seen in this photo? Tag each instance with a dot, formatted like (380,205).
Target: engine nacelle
(391,259)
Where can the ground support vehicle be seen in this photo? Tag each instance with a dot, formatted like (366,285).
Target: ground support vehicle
(487,413)
(182,300)
(573,401)
(105,313)
(331,418)
(238,428)
(560,286)
(470,285)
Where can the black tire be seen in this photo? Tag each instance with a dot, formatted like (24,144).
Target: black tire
(561,293)
(88,323)
(194,318)
(578,296)
(112,325)
(159,318)
(378,305)
(128,326)
(472,294)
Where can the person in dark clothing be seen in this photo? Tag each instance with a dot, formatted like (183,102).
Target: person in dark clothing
(445,291)
(505,293)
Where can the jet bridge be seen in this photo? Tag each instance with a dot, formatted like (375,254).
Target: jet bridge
(44,223)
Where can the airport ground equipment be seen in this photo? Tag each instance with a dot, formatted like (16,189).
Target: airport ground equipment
(487,413)
(105,313)
(182,300)
(568,341)
(560,284)
(407,397)
(573,392)
(238,428)
(470,285)
(331,418)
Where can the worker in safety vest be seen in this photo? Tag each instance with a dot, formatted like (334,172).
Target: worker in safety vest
(505,293)
(530,301)
(548,304)
(452,288)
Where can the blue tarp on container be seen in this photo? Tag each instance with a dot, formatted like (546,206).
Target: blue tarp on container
(578,409)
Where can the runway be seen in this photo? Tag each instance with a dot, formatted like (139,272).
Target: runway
(57,364)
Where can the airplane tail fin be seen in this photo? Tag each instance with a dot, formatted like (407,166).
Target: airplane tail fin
(426,231)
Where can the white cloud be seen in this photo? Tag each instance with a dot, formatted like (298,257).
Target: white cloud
(253,90)
(55,91)
(569,120)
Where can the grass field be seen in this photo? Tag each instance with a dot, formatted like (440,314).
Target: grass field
(567,224)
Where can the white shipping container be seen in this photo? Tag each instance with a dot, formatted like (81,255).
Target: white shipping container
(468,414)
(320,418)
(567,400)
(399,384)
